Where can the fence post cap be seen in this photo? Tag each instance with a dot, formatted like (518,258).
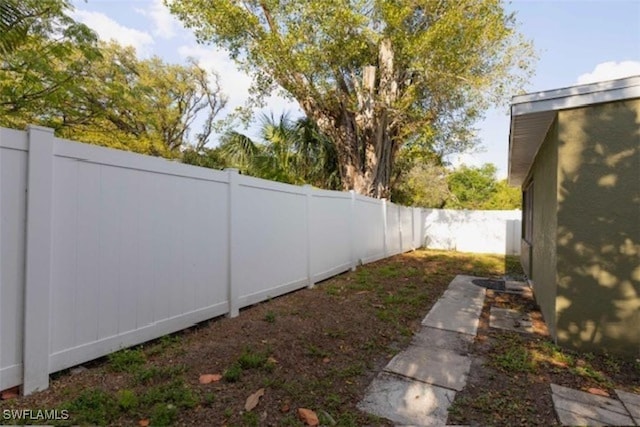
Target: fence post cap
(40,128)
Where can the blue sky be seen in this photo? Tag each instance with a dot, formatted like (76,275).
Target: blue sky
(577,42)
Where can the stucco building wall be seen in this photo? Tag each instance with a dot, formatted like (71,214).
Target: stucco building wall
(598,228)
(543,256)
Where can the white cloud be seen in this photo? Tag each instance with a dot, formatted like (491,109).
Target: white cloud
(108,29)
(609,71)
(164,23)
(233,82)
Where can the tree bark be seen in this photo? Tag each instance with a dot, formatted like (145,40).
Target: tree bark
(365,139)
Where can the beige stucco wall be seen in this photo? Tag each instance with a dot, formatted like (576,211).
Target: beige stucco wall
(543,256)
(598,228)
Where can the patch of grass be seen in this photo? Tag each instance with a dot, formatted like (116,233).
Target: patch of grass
(587,371)
(233,373)
(208,399)
(270,317)
(127,399)
(250,419)
(250,359)
(313,351)
(511,355)
(350,371)
(176,393)
(333,401)
(127,360)
(515,360)
(389,271)
(612,364)
(163,414)
(96,407)
(156,373)
(550,353)
(496,408)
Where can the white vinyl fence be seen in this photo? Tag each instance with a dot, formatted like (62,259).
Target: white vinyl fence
(102,249)
(495,232)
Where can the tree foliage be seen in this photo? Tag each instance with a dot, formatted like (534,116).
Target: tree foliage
(45,54)
(144,105)
(54,73)
(373,74)
(420,179)
(477,188)
(295,152)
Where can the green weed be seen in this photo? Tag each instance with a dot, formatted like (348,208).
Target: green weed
(250,419)
(270,317)
(252,360)
(96,407)
(233,373)
(389,271)
(127,360)
(313,351)
(155,373)
(127,399)
(164,414)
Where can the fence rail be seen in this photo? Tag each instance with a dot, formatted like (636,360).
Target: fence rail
(102,249)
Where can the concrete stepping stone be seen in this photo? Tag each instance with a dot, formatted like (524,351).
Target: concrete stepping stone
(455,313)
(439,338)
(631,401)
(407,402)
(510,320)
(463,285)
(575,407)
(436,366)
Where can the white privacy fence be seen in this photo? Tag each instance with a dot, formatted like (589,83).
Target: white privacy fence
(495,232)
(102,249)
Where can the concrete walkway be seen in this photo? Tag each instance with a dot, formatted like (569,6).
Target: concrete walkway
(419,384)
(575,407)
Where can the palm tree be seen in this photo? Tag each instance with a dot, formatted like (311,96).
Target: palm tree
(295,152)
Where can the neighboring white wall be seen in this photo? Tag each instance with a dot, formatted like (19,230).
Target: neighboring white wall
(472,231)
(102,249)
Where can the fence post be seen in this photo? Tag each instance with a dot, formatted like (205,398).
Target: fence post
(352,228)
(307,193)
(234,176)
(399,218)
(384,228)
(35,362)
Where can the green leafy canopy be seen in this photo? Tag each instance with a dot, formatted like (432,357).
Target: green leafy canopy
(373,74)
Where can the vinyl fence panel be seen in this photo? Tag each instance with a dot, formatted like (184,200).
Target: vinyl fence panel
(370,233)
(270,236)
(102,249)
(330,233)
(472,231)
(13,205)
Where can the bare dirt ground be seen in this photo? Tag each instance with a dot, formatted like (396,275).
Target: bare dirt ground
(319,349)
(511,372)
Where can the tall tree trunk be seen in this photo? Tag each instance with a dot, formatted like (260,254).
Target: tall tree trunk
(365,139)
